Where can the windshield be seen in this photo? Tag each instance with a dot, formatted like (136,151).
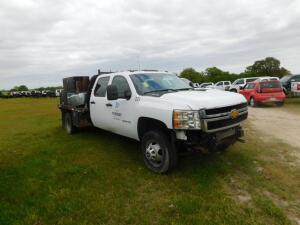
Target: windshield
(285,78)
(270,85)
(239,81)
(158,82)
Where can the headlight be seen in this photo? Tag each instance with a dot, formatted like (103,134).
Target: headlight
(186,120)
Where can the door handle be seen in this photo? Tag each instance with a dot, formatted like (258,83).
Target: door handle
(108,105)
(93,102)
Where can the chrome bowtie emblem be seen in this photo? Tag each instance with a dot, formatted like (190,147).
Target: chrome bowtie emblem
(234,114)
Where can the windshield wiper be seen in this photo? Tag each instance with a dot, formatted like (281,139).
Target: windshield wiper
(184,89)
(162,90)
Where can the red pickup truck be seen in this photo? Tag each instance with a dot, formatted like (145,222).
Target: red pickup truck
(263,92)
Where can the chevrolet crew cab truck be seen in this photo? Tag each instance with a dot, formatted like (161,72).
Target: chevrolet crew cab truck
(158,109)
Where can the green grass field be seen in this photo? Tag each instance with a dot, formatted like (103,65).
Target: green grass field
(95,177)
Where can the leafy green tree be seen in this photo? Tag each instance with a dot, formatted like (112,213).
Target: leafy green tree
(215,74)
(23,88)
(20,88)
(192,75)
(266,67)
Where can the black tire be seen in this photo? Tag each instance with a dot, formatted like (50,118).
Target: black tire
(63,119)
(252,102)
(279,104)
(68,123)
(233,90)
(159,154)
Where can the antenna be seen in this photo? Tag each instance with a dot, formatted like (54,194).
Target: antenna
(138,61)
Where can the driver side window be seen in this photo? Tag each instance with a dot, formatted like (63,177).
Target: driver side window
(121,83)
(240,82)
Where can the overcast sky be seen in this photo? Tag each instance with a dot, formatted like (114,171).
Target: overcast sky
(42,41)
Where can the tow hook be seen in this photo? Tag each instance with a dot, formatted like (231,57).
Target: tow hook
(239,134)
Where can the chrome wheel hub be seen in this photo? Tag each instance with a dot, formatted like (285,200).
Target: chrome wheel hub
(154,153)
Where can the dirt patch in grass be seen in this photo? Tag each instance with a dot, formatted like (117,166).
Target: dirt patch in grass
(277,123)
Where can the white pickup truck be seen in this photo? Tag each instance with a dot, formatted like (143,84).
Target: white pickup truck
(158,109)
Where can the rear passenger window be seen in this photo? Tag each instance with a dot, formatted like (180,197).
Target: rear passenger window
(100,89)
(226,83)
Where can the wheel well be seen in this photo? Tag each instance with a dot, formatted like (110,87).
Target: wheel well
(146,124)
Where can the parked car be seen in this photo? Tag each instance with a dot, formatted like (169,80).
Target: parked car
(287,81)
(221,85)
(35,93)
(267,78)
(58,92)
(295,90)
(240,83)
(190,83)
(156,108)
(196,85)
(204,85)
(15,94)
(263,92)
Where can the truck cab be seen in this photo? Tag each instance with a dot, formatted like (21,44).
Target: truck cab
(287,82)
(222,85)
(240,83)
(161,111)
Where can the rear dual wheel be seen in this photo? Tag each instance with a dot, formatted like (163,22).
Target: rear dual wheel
(68,123)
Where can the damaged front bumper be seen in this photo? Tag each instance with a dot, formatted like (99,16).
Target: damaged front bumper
(211,141)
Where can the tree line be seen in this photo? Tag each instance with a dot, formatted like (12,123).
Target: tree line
(269,66)
(25,88)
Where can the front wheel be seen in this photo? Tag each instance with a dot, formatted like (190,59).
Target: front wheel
(279,104)
(252,102)
(159,154)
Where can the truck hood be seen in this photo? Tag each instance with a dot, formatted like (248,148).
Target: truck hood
(201,99)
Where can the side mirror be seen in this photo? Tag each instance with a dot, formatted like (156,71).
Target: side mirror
(112,92)
(127,94)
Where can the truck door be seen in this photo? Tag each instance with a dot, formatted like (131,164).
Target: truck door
(251,90)
(123,114)
(219,85)
(100,112)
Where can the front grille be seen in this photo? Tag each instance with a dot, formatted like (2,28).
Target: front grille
(212,125)
(225,109)
(221,118)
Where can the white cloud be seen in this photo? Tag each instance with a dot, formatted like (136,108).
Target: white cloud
(42,41)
